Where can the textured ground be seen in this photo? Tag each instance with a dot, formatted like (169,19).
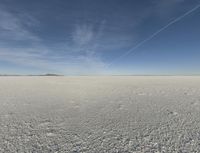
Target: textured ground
(100,114)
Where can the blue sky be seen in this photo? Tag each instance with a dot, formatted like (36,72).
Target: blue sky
(83,37)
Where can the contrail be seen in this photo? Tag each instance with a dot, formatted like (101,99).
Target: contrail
(156,33)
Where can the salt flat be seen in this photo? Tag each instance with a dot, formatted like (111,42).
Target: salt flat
(100,114)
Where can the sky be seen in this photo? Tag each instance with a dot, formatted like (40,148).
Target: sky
(100,37)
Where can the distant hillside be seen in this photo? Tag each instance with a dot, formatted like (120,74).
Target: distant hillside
(48,74)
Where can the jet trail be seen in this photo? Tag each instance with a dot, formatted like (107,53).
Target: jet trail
(156,33)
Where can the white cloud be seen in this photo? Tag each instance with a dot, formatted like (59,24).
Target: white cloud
(83,34)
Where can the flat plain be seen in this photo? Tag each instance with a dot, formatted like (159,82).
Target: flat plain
(100,114)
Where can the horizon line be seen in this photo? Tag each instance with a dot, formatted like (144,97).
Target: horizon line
(67,75)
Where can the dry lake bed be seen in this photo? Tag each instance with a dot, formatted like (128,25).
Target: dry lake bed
(105,114)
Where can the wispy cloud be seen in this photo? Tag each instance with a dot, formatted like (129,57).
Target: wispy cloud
(79,57)
(82,53)
(12,27)
(59,64)
(86,37)
(86,42)
(83,35)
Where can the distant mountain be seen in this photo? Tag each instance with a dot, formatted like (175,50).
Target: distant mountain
(49,74)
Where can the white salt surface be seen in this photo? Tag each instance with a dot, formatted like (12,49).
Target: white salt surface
(100,114)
